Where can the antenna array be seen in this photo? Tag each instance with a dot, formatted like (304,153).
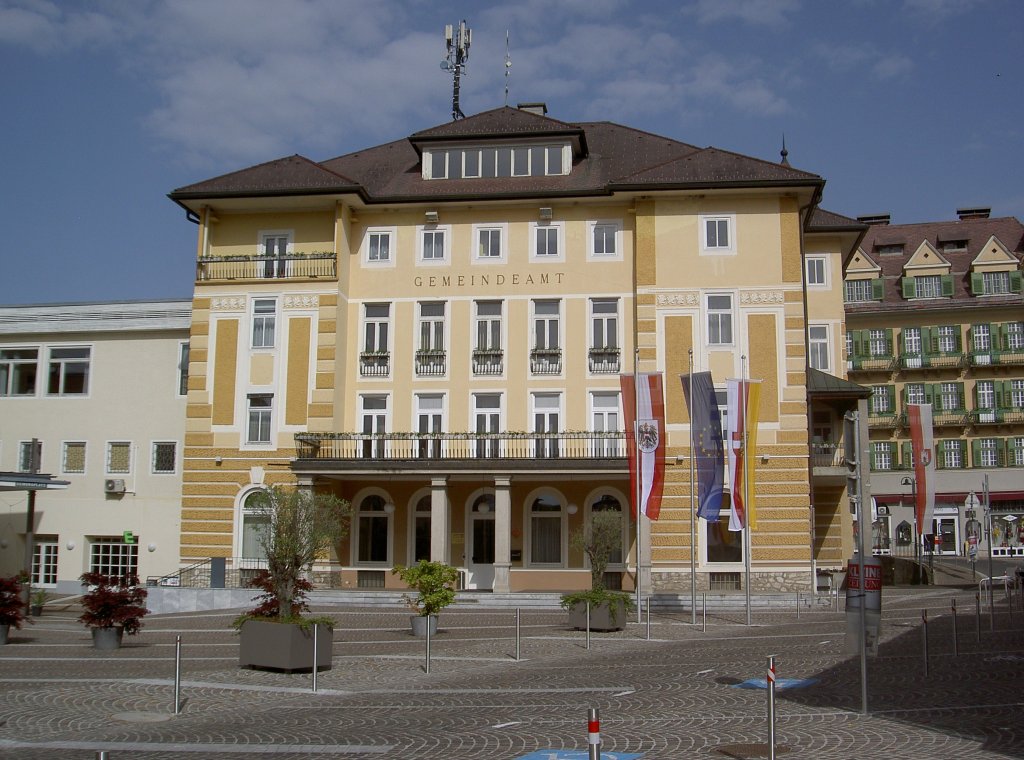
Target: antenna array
(458,41)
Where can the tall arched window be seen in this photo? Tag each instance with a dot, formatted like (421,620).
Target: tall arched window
(373,526)
(546,531)
(421,530)
(254,525)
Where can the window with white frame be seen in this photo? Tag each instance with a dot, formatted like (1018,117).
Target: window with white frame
(604,240)
(264,322)
(69,371)
(373,531)
(430,353)
(260,416)
(857,290)
(1018,451)
(487,351)
(981,338)
(881,399)
(717,233)
(119,457)
(373,411)
(546,531)
(1017,394)
(110,555)
(18,370)
(45,554)
(817,271)
(819,347)
(949,397)
(878,343)
(375,360)
(429,421)
(719,313)
(73,459)
(434,244)
(546,356)
(995,283)
(947,335)
(952,454)
(988,448)
(30,457)
(914,393)
(911,340)
(487,420)
(882,455)
(928,286)
(380,244)
(604,334)
(495,161)
(986,394)
(547,241)
(183,357)
(489,245)
(275,248)
(165,457)
(255,521)
(604,416)
(1015,336)
(546,411)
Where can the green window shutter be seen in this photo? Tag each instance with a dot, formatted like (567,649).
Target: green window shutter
(1015,281)
(977,283)
(907,457)
(973,331)
(929,393)
(888,340)
(960,400)
(1001,393)
(1011,449)
(878,288)
(903,398)
(959,335)
(892,398)
(909,287)
(940,453)
(976,453)
(1000,452)
(929,342)
(861,338)
(947,284)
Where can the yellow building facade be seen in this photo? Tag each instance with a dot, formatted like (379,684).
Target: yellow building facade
(434,329)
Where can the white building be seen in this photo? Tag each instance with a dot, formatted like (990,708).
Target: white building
(101,387)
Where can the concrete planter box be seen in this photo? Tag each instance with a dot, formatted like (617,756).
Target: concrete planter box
(5,630)
(601,617)
(419,625)
(284,646)
(107,639)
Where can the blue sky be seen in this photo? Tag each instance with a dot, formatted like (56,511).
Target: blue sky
(911,107)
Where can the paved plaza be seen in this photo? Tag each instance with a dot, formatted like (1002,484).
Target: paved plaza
(675,695)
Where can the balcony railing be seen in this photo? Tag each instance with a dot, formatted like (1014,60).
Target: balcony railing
(488,361)
(604,359)
(546,361)
(430,363)
(454,446)
(375,363)
(871,363)
(828,455)
(293,266)
(997,416)
(1003,358)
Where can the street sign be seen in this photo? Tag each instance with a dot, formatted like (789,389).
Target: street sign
(128,537)
(972,501)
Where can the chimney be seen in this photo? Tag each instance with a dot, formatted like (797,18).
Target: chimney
(973,212)
(541,109)
(875,219)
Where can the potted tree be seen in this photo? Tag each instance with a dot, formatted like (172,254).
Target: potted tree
(434,584)
(12,606)
(112,606)
(608,609)
(37,599)
(298,527)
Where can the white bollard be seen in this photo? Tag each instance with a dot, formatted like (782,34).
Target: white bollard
(593,735)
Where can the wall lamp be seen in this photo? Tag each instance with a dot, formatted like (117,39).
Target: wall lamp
(431,217)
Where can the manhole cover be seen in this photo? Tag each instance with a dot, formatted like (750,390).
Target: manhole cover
(748,751)
(142,717)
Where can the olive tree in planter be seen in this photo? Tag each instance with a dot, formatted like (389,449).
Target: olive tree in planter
(434,584)
(298,527)
(112,606)
(12,606)
(608,609)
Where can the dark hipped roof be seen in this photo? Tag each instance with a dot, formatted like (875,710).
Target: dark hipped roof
(824,221)
(976,232)
(607,157)
(823,384)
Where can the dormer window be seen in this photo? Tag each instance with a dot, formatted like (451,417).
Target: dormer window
(498,161)
(892,249)
(953,246)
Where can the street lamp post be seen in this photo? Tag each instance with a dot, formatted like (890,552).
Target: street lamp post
(909,481)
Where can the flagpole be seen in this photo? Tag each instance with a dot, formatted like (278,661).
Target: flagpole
(639,472)
(693,516)
(746,479)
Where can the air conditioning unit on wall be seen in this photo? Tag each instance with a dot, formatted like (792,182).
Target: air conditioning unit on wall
(113,486)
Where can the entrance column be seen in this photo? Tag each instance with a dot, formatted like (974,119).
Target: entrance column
(440,522)
(502,532)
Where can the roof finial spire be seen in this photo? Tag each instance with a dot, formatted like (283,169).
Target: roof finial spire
(784,153)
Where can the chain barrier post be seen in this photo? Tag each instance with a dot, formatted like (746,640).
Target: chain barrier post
(798,606)
(956,640)
(593,734)
(977,614)
(427,656)
(177,675)
(924,639)
(704,614)
(588,625)
(770,684)
(517,634)
(316,633)
(648,618)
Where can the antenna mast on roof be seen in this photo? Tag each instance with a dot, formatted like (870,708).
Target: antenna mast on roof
(458,41)
(508,66)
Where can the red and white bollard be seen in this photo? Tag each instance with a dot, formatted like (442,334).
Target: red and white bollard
(594,734)
(770,684)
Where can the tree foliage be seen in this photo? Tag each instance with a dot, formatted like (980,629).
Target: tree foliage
(297,527)
(113,601)
(434,583)
(598,541)
(12,608)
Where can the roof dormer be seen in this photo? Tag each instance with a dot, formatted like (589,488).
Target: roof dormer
(995,270)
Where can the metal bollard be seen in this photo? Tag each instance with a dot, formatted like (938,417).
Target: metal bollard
(588,625)
(517,634)
(593,734)
(924,639)
(648,618)
(101,755)
(770,688)
(427,666)
(956,639)
(977,614)
(316,631)
(704,614)
(177,675)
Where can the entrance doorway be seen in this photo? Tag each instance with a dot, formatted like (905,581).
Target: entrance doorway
(480,544)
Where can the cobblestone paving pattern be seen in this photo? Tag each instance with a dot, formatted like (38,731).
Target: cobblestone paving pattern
(672,696)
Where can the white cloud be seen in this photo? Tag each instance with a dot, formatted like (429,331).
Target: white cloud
(45,27)
(847,58)
(755,12)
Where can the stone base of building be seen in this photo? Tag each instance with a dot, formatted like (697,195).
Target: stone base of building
(716,582)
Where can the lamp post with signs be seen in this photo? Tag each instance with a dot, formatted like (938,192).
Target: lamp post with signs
(909,481)
(972,527)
